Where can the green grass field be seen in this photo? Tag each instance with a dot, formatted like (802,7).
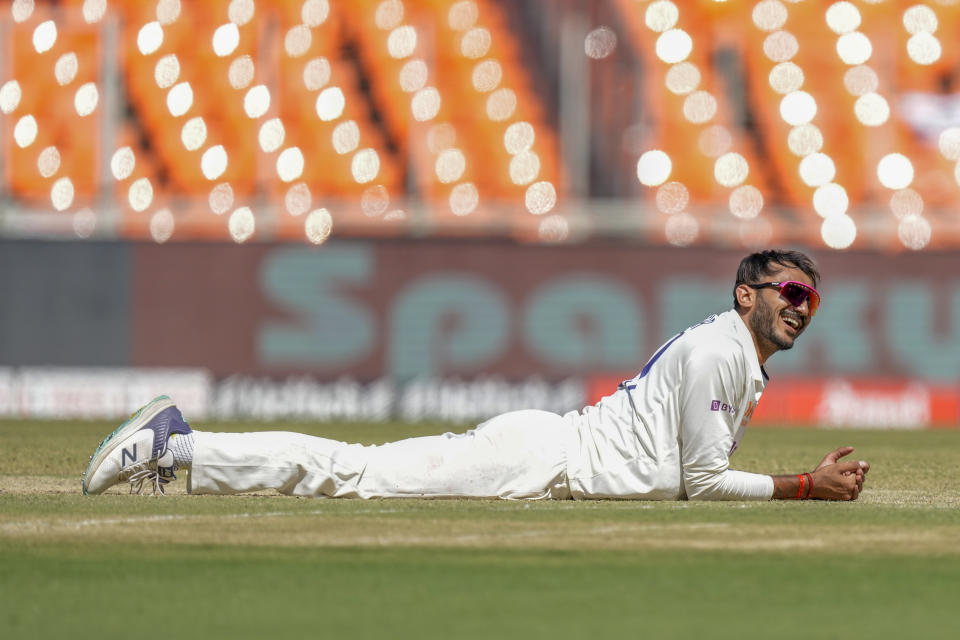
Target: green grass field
(270,566)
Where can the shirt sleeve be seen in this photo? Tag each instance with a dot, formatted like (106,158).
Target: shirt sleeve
(710,396)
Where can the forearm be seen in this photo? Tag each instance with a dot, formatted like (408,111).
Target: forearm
(792,487)
(728,485)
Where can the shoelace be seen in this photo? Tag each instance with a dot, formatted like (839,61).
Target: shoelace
(147,472)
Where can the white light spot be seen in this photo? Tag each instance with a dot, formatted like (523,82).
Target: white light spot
(672,197)
(425,104)
(256,102)
(830,200)
(906,202)
(798,107)
(914,232)
(838,232)
(44,36)
(487,76)
(501,104)
(450,165)
(872,109)
(924,48)
(949,143)
(168,11)
(271,135)
(365,166)
(462,15)
(674,46)
(524,167)
(330,103)
(290,164)
(140,194)
(413,75)
(653,168)
(241,72)
(661,16)
(402,42)
(316,74)
(780,46)
(600,43)
(298,199)
(241,225)
(225,39)
(895,171)
(715,141)
(25,131)
(699,107)
(94,10)
(180,99)
(346,137)
(122,163)
(804,140)
(730,169)
(854,48)
(162,225)
(48,162)
(297,41)
(194,133)
(920,19)
(21,10)
(167,71)
(843,17)
(553,229)
(769,15)
(150,38)
(746,202)
(221,198)
(315,12)
(681,229)
(817,169)
(214,162)
(464,199)
(860,80)
(374,201)
(66,68)
(540,198)
(10,94)
(240,12)
(475,43)
(61,194)
(389,14)
(84,223)
(85,99)
(318,226)
(786,77)
(683,78)
(518,137)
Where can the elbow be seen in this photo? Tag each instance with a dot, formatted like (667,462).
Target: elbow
(703,486)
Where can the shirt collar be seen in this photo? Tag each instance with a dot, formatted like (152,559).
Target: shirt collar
(749,348)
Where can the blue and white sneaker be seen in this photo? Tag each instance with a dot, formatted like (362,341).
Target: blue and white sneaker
(137,451)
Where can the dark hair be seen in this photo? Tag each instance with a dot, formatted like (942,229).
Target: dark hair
(756,267)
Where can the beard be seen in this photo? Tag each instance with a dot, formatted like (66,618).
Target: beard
(763,322)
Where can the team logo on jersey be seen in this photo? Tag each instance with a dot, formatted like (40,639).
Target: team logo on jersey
(716,405)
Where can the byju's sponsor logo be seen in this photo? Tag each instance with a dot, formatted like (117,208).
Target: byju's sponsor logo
(716,405)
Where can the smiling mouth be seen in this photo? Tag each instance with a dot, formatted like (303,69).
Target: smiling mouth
(793,322)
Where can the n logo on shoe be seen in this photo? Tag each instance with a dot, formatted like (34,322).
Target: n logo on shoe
(125,453)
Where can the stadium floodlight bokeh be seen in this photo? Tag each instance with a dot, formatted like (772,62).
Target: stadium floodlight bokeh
(684,122)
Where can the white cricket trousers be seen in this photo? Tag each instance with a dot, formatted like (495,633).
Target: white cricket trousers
(521,454)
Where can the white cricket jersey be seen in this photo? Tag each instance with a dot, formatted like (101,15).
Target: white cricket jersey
(669,432)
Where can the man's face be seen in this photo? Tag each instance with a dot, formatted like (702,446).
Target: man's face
(774,322)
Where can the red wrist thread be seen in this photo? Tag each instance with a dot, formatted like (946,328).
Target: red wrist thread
(803,481)
(809,485)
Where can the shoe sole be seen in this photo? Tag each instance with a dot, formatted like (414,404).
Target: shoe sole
(136,422)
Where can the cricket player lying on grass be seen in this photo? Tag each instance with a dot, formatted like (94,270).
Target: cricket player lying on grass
(666,434)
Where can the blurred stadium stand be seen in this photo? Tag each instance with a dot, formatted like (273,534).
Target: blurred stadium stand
(686,122)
